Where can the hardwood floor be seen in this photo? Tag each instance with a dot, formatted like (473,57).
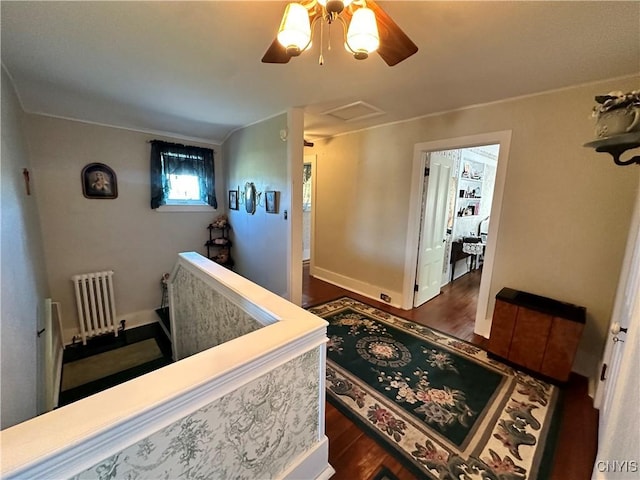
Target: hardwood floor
(108,342)
(356,456)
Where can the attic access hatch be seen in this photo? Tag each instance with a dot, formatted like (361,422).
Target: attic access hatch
(354,111)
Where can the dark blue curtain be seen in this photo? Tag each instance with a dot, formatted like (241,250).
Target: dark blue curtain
(174,158)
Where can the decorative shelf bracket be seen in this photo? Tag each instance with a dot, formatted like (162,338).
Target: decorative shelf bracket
(616,153)
(617,145)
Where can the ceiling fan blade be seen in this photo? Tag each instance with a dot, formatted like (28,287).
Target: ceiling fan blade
(395,45)
(276,53)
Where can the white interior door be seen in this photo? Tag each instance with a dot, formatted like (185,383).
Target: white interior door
(627,294)
(432,236)
(618,391)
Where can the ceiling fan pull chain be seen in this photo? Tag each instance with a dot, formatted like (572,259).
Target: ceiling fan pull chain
(321,59)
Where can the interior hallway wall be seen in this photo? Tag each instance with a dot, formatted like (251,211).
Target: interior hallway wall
(124,235)
(565,212)
(257,154)
(23,277)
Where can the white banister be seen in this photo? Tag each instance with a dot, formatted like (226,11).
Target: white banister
(252,406)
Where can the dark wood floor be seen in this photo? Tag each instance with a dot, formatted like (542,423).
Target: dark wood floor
(356,456)
(108,342)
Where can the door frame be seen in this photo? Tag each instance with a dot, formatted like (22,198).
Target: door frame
(503,138)
(311,159)
(291,203)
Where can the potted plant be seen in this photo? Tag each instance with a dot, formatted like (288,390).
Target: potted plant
(617,113)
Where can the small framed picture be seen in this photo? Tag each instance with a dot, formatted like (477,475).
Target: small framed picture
(99,181)
(233,199)
(271,201)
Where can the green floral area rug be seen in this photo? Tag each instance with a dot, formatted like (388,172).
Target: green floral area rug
(442,405)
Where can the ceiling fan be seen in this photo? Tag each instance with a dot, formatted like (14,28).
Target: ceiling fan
(367,28)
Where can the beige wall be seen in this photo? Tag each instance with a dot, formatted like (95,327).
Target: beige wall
(257,154)
(565,213)
(124,234)
(23,282)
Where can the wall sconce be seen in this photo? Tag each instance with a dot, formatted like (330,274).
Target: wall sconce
(617,145)
(617,125)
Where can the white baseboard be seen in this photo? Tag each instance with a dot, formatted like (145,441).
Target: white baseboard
(313,463)
(133,320)
(362,288)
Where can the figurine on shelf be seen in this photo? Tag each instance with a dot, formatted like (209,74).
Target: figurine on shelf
(164,284)
(220,221)
(222,256)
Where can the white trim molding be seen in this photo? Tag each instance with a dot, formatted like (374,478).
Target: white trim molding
(362,288)
(503,138)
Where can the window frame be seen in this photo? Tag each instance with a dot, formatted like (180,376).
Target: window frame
(166,156)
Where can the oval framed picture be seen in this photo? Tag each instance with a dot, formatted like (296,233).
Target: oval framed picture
(250,197)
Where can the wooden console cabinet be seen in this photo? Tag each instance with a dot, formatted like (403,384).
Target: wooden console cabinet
(537,333)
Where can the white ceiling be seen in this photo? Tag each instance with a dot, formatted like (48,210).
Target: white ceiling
(193,69)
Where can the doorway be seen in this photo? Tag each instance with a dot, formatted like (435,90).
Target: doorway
(308,187)
(415,226)
(469,210)
(455,218)
(456,213)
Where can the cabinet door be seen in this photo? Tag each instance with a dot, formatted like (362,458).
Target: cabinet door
(530,338)
(561,348)
(504,319)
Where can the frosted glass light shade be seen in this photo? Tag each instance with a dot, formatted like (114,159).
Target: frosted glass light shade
(362,36)
(295,30)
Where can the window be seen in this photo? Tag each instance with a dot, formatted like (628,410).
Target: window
(306,187)
(184,188)
(181,175)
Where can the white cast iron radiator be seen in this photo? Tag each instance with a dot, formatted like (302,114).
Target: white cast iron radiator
(96,304)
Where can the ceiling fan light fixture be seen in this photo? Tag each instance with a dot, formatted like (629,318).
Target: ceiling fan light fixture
(362,36)
(295,30)
(359,24)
